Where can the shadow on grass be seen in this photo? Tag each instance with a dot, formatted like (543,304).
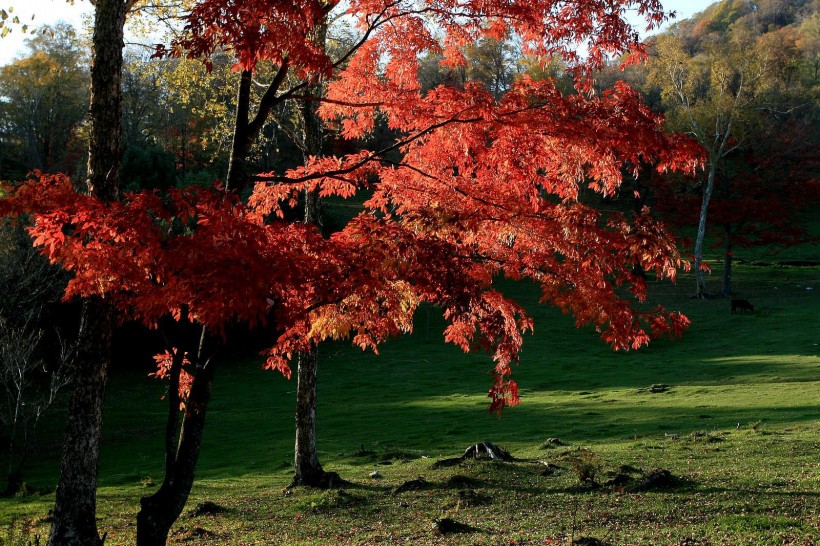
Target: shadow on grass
(421,397)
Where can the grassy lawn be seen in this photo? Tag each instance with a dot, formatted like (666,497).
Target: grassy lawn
(737,425)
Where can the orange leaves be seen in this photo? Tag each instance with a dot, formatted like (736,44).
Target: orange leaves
(504,393)
(267,199)
(474,187)
(499,182)
(328,176)
(173,366)
(182,256)
(279,363)
(254,31)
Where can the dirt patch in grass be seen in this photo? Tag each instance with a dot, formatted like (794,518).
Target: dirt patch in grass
(412,485)
(448,526)
(207,508)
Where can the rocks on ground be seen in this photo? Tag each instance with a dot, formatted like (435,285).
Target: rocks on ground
(482,450)
(486,450)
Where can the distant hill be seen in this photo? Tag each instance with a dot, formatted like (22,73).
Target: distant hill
(756,17)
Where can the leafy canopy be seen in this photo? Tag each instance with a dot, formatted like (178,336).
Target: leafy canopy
(483,187)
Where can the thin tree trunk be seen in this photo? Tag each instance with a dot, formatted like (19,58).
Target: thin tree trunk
(159,511)
(307,468)
(35,157)
(727,262)
(700,274)
(313,137)
(74,516)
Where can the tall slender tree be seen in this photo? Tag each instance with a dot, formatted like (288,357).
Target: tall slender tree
(307,469)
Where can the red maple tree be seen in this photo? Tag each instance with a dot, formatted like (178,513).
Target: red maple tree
(484,188)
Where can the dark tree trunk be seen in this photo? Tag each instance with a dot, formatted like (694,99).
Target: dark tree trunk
(159,511)
(105,142)
(75,507)
(727,262)
(246,129)
(74,517)
(313,209)
(237,174)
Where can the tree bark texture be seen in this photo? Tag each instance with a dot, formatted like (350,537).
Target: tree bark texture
(105,138)
(313,209)
(307,468)
(74,518)
(75,507)
(313,135)
(700,274)
(159,511)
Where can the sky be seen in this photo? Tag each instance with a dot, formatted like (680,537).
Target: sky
(48,12)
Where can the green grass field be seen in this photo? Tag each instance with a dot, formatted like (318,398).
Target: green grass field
(738,427)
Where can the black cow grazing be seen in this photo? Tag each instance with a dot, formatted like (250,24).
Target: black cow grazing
(743,305)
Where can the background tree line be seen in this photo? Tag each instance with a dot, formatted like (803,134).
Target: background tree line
(741,70)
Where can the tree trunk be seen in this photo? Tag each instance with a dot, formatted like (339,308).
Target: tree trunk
(159,511)
(312,135)
(74,517)
(237,176)
(313,209)
(727,262)
(75,507)
(313,138)
(307,468)
(105,137)
(700,274)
